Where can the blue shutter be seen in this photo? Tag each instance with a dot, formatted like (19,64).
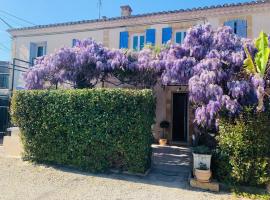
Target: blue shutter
(151,36)
(74,41)
(32,52)
(241,28)
(230,23)
(178,37)
(123,40)
(135,43)
(141,42)
(166,35)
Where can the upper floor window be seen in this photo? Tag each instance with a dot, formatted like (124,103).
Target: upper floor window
(180,36)
(37,50)
(138,42)
(239,26)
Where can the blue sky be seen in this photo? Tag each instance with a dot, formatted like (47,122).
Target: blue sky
(53,11)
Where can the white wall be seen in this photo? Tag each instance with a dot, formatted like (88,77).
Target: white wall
(54,41)
(261,22)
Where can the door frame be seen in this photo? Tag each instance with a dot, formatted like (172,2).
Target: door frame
(187,121)
(169,91)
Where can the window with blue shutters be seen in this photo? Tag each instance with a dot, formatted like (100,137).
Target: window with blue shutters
(239,26)
(138,42)
(180,36)
(37,50)
(166,35)
(151,37)
(123,43)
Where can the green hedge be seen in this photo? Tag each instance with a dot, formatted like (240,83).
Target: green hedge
(94,130)
(244,149)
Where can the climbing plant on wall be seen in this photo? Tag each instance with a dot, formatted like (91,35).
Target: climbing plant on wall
(209,61)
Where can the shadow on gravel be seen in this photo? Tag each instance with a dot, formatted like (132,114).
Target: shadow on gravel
(170,168)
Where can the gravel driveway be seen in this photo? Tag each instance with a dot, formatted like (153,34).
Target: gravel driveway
(22,180)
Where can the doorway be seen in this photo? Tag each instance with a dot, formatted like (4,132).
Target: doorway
(180,117)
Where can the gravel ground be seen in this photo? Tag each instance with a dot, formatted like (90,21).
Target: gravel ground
(22,180)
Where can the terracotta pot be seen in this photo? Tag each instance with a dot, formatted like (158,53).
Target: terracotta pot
(203,175)
(163,142)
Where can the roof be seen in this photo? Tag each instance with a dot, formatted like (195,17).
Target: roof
(140,15)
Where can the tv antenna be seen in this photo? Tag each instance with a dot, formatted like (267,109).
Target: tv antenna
(99,8)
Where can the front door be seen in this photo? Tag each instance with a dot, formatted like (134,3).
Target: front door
(180,117)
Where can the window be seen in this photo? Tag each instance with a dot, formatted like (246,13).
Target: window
(238,26)
(138,42)
(180,36)
(37,50)
(40,51)
(74,41)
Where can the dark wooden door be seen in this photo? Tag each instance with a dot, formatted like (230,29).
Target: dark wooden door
(180,117)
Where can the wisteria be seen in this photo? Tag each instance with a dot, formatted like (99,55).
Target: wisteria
(209,61)
(83,65)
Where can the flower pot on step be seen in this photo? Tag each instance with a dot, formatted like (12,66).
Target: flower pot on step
(163,142)
(203,175)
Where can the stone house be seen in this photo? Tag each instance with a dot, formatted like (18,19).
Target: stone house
(134,31)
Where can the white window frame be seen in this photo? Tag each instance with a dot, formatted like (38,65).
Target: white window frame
(41,44)
(182,36)
(139,36)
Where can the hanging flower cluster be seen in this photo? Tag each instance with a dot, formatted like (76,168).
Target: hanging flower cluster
(211,63)
(83,65)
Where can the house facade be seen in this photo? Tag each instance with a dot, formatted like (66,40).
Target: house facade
(133,32)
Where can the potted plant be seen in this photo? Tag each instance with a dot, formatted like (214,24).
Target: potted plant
(201,154)
(203,173)
(164,125)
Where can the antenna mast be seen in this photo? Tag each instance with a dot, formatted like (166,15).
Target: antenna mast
(99,8)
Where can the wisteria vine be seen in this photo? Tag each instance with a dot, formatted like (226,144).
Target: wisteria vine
(209,61)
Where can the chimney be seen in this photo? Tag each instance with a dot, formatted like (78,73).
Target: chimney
(126,11)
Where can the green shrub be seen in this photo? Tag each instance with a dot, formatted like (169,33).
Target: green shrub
(93,130)
(243,153)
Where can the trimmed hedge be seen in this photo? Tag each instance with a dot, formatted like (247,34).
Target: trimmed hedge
(244,149)
(94,130)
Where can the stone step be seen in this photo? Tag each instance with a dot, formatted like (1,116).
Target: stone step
(12,146)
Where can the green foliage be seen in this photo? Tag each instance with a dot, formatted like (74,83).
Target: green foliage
(93,130)
(243,156)
(261,57)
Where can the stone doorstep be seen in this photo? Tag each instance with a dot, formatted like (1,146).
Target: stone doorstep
(212,186)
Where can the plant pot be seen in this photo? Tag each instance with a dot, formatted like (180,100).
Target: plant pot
(163,142)
(203,175)
(201,158)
